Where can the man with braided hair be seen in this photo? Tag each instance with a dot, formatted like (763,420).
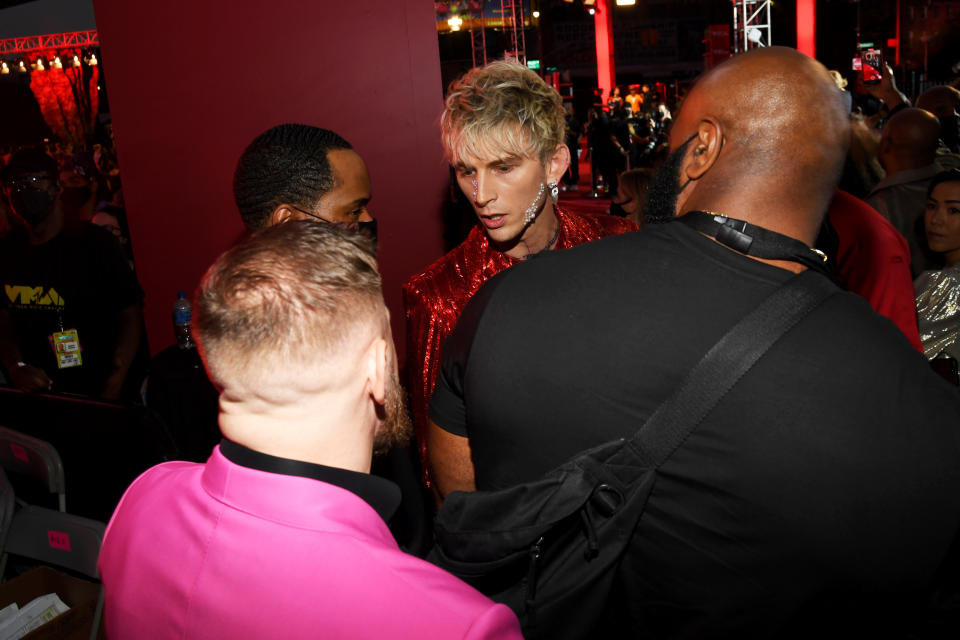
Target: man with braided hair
(298,172)
(503,132)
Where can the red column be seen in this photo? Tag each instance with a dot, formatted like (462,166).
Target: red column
(806,22)
(603,27)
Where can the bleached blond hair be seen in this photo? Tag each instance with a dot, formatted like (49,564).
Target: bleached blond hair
(502,108)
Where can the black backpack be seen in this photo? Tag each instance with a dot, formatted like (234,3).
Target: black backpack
(550,549)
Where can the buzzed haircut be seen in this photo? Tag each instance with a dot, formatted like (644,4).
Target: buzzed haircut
(286,164)
(292,293)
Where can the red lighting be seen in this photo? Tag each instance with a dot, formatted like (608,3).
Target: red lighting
(806,22)
(603,31)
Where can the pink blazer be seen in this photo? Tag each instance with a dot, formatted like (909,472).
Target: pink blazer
(224,551)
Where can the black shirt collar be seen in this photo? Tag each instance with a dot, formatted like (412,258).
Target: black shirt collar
(379,493)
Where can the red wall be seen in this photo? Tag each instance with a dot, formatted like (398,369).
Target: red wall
(192,83)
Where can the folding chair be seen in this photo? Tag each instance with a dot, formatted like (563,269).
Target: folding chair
(61,539)
(26,455)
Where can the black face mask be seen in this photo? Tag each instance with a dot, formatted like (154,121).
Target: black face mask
(368,229)
(661,205)
(31,204)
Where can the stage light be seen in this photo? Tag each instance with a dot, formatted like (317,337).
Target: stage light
(23,67)
(626,3)
(38,66)
(591,11)
(536,14)
(4,69)
(56,63)
(93,60)
(455,22)
(754,35)
(76,61)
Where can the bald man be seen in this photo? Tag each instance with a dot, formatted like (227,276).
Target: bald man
(779,515)
(908,153)
(944,102)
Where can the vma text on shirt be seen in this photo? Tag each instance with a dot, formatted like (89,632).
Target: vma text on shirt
(27,297)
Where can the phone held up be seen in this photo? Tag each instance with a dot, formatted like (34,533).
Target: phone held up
(869,64)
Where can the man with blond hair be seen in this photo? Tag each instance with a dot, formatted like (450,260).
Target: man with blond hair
(282,533)
(503,132)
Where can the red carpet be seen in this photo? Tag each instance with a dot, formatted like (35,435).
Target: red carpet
(580,201)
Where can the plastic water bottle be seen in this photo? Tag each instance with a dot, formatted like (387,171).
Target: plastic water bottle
(182,310)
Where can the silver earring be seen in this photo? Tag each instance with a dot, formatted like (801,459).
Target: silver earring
(531,211)
(554,192)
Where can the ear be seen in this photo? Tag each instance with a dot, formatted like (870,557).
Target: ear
(377,370)
(558,163)
(883,147)
(283,213)
(704,150)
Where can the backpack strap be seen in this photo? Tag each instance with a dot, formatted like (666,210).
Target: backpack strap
(725,363)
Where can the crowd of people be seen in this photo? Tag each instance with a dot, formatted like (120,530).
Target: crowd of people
(630,133)
(727,394)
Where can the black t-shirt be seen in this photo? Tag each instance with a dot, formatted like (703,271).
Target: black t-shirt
(823,484)
(620,129)
(78,280)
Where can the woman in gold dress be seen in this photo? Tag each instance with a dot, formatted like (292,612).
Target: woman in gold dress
(938,292)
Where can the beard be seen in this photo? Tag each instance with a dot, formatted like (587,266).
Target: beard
(661,205)
(395,428)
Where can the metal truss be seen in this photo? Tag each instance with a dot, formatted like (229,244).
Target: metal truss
(478,36)
(511,12)
(71,40)
(752,27)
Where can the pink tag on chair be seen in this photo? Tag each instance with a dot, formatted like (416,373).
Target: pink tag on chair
(19,452)
(59,540)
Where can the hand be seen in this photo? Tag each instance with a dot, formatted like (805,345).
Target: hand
(886,89)
(112,387)
(30,379)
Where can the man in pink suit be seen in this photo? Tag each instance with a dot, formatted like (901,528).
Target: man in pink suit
(281,534)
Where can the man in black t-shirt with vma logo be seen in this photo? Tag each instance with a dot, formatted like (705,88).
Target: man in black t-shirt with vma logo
(70,317)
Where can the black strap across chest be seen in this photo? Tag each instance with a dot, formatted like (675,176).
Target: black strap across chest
(751,240)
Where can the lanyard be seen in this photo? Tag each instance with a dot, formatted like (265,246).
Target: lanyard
(755,241)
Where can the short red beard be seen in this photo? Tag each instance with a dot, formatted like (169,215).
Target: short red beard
(396,429)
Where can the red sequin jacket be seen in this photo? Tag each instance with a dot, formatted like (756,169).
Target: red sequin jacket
(434,299)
